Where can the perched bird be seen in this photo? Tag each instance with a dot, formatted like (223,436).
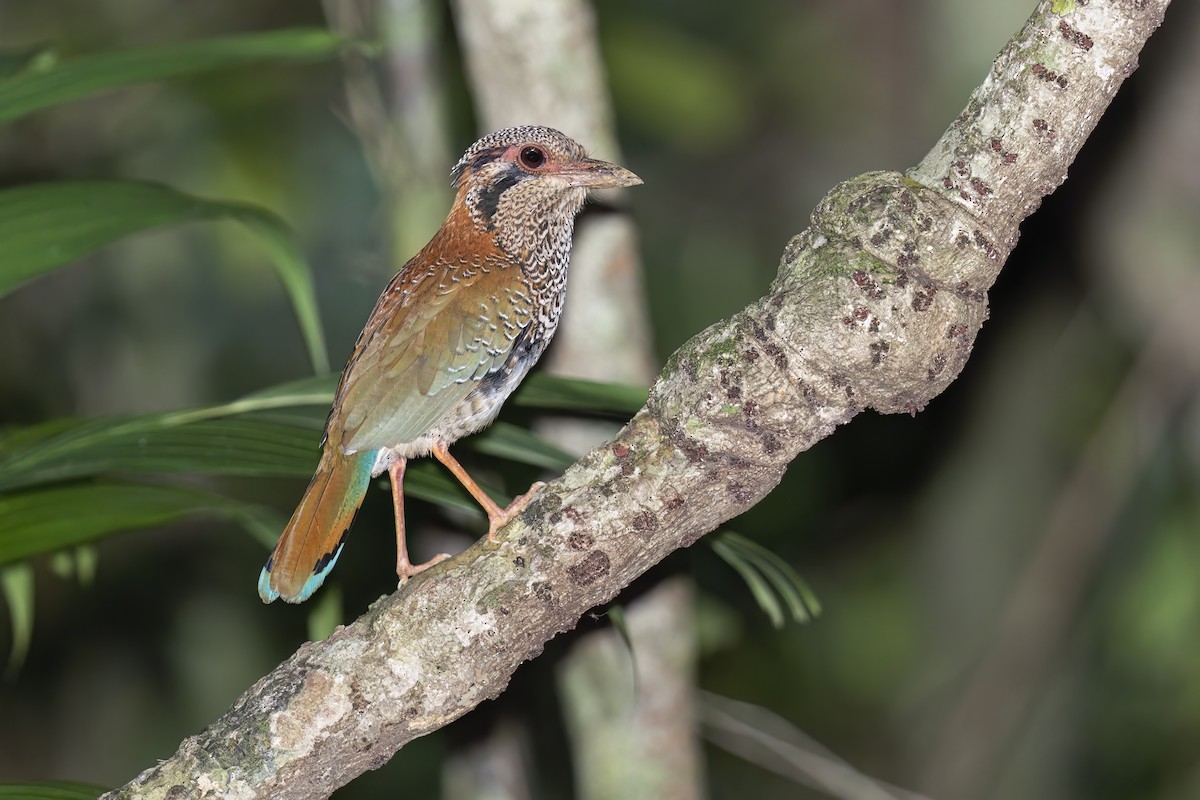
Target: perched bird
(449,340)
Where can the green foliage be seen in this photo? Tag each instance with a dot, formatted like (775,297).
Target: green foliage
(45,520)
(16,583)
(679,88)
(774,583)
(45,226)
(36,83)
(542,390)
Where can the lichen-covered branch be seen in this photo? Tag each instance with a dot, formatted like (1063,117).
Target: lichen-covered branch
(876,305)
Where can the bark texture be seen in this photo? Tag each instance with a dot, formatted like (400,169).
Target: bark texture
(876,305)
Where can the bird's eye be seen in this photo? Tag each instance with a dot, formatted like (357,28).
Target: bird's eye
(532,157)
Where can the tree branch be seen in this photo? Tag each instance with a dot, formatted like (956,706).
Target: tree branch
(876,305)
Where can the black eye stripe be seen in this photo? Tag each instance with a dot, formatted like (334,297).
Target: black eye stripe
(489,200)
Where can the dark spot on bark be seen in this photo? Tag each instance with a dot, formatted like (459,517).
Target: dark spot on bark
(939,364)
(954,331)
(922,301)
(580,540)
(519,562)
(926,223)
(902,279)
(542,592)
(770,444)
(751,355)
(675,503)
(874,326)
(906,260)
(645,522)
(738,492)
(693,450)
(595,565)
(878,351)
(861,313)
(990,249)
(620,449)
(847,321)
(1077,38)
(627,468)
(775,352)
(949,184)
(980,187)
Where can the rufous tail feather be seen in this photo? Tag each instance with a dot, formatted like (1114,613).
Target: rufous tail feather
(313,538)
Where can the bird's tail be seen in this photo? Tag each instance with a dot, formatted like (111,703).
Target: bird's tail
(313,538)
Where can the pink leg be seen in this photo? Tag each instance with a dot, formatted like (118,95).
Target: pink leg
(497,517)
(405,568)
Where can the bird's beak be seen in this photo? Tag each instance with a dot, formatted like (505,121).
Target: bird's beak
(594,174)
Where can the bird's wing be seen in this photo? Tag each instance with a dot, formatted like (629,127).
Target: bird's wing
(437,330)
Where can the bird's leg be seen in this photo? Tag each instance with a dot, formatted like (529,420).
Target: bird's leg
(497,517)
(405,568)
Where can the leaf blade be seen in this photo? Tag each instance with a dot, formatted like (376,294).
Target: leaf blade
(30,91)
(46,520)
(45,226)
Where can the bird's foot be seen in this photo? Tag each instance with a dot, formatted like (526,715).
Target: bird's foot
(405,569)
(498,521)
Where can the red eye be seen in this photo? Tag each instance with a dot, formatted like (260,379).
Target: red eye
(532,157)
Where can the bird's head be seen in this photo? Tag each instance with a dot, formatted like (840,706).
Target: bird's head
(525,185)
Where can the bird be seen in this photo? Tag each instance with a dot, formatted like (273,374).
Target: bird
(453,334)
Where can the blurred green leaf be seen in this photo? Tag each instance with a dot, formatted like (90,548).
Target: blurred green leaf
(31,90)
(50,790)
(38,58)
(44,226)
(46,520)
(505,440)
(542,390)
(158,444)
(539,390)
(275,432)
(679,88)
(762,593)
(16,582)
(772,581)
(325,613)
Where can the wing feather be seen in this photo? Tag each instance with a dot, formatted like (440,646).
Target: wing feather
(431,338)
